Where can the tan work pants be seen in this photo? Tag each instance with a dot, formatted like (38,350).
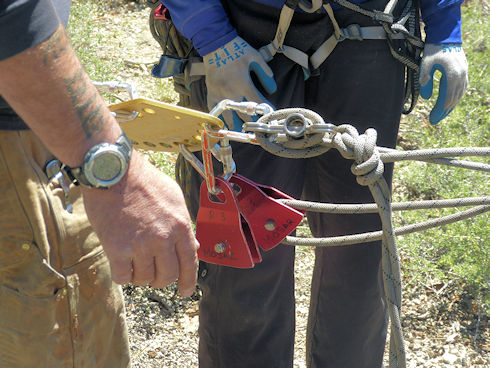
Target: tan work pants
(58,304)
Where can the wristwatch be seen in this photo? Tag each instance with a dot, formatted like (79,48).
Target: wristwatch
(104,165)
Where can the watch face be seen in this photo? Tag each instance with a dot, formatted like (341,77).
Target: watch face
(107,166)
(104,165)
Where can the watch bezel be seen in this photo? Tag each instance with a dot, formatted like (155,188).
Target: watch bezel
(83,175)
(98,151)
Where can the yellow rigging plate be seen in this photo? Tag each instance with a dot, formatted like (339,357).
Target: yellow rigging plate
(159,126)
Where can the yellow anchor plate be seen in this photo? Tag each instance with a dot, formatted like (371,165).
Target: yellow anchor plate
(159,126)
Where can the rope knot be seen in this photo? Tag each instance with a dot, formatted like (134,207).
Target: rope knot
(367,165)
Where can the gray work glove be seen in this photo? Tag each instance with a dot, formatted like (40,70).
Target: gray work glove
(228,76)
(450,60)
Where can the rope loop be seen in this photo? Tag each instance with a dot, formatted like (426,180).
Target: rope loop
(277,142)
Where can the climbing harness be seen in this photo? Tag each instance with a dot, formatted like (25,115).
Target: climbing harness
(177,61)
(406,28)
(237,216)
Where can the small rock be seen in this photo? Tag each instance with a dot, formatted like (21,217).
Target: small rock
(432,354)
(451,338)
(479,360)
(449,358)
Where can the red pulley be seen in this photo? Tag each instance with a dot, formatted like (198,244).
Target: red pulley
(222,232)
(270,221)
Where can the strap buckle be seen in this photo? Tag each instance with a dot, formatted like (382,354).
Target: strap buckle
(351,32)
(168,66)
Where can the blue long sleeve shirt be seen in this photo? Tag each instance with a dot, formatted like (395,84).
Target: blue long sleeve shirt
(205,23)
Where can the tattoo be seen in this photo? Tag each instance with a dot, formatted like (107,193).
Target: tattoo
(87,106)
(55,46)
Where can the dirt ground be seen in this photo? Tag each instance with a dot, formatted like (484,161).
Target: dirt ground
(163,326)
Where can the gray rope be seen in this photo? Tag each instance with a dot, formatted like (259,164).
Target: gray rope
(373,207)
(336,241)
(439,156)
(459,163)
(368,169)
(391,155)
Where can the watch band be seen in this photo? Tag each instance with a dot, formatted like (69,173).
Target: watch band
(78,174)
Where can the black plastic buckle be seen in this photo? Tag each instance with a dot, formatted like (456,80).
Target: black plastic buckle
(351,32)
(168,66)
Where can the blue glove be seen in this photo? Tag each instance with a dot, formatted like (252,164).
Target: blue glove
(228,76)
(450,60)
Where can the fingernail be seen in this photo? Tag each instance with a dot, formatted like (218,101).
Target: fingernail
(121,281)
(188,292)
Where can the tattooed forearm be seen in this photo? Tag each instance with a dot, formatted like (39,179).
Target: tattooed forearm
(55,46)
(87,106)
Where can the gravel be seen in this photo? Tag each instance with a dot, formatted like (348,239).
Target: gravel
(163,327)
(441,329)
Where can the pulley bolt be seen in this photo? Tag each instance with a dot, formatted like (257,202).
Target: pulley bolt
(270,225)
(220,247)
(295,125)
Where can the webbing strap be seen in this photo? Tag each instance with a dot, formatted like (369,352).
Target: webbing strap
(310,6)
(268,51)
(329,45)
(196,68)
(351,32)
(336,27)
(298,56)
(283,26)
(390,6)
(388,30)
(377,15)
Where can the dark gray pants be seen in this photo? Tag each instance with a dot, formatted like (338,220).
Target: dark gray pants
(247,317)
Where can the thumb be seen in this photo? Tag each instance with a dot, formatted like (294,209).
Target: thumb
(426,80)
(264,75)
(440,110)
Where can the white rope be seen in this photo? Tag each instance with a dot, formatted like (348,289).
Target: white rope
(373,207)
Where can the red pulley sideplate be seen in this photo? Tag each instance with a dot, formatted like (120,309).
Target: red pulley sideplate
(270,221)
(223,234)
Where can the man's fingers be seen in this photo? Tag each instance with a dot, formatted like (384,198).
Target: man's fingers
(166,267)
(143,270)
(188,264)
(121,270)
